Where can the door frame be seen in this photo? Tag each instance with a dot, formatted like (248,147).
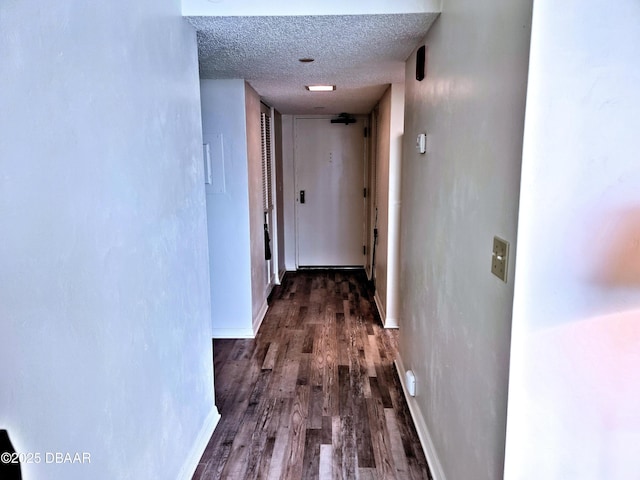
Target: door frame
(365,124)
(371,169)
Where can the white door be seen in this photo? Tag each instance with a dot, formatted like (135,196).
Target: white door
(329,165)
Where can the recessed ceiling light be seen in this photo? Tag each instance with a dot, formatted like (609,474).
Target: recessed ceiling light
(306,60)
(320,88)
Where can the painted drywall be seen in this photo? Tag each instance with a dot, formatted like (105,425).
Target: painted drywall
(260,280)
(396,137)
(315,7)
(239,283)
(388,157)
(382,200)
(575,358)
(456,316)
(224,117)
(104,296)
(289,194)
(279,175)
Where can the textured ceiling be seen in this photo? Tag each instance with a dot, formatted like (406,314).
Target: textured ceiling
(360,54)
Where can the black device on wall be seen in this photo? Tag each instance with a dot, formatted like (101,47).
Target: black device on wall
(345,118)
(420,59)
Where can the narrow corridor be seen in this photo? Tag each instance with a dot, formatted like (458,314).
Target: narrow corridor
(316,394)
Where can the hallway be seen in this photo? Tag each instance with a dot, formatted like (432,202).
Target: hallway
(315,395)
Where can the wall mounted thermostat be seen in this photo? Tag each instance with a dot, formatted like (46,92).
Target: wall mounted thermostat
(421,143)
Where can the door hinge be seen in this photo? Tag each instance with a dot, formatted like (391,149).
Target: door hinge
(366,132)
(364,249)
(364,193)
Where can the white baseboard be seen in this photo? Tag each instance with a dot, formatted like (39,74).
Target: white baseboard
(260,317)
(391,322)
(219,332)
(421,426)
(190,465)
(387,322)
(233,333)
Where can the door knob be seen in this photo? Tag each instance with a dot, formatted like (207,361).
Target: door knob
(301,196)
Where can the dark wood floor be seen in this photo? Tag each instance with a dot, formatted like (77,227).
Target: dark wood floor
(316,394)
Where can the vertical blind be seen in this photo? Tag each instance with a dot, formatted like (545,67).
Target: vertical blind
(267,196)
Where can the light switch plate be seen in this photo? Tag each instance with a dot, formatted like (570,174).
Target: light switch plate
(500,258)
(206,153)
(421,143)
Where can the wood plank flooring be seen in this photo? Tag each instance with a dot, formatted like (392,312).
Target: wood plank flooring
(316,394)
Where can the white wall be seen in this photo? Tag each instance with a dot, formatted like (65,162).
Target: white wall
(260,281)
(575,373)
(224,114)
(456,315)
(395,202)
(239,284)
(313,7)
(382,200)
(104,297)
(388,157)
